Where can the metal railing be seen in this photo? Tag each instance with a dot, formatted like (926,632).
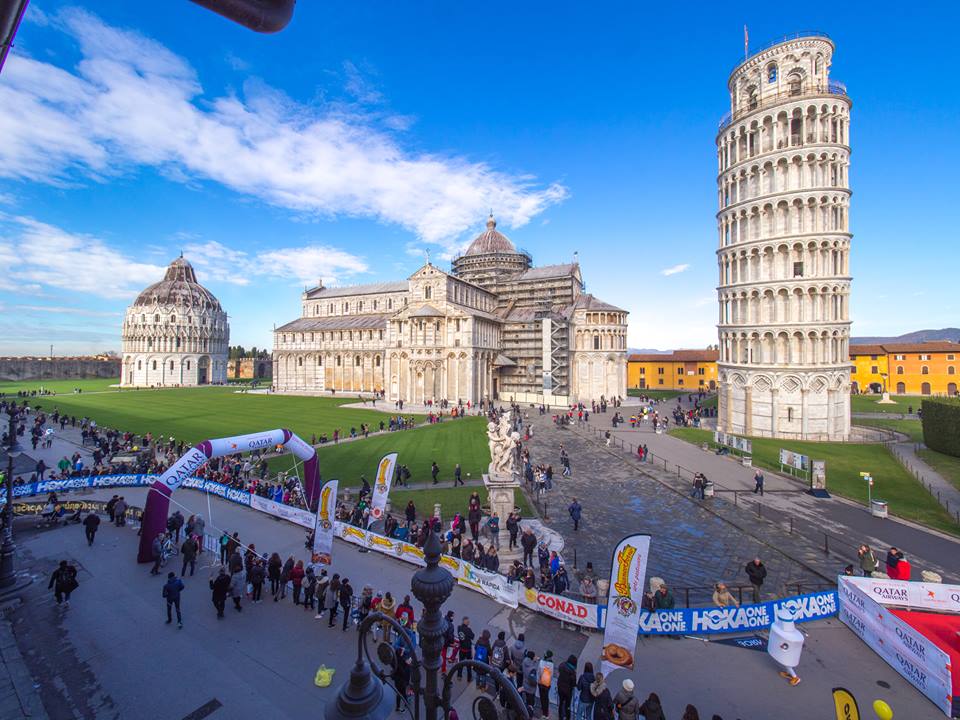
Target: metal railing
(781,39)
(834,87)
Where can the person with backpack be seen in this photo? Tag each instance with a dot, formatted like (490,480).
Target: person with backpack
(566,683)
(309,588)
(224,543)
(63,581)
(585,696)
(297,573)
(544,681)
(481,653)
(498,652)
(531,679)
(515,660)
(465,637)
(171,592)
(602,700)
(628,707)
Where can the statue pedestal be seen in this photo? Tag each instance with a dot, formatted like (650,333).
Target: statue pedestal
(500,495)
(885,400)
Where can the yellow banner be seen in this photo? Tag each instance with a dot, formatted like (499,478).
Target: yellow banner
(846,704)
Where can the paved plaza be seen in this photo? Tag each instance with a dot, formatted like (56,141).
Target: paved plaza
(110,655)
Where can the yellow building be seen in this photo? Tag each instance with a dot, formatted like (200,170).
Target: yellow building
(928,368)
(688,370)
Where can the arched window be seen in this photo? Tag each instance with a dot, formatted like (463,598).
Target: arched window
(427,291)
(751,98)
(139,364)
(900,371)
(772,73)
(358,361)
(360,306)
(924,370)
(154,364)
(794,82)
(901,388)
(951,370)
(789,414)
(596,342)
(338,361)
(319,359)
(299,362)
(925,389)
(156,318)
(171,365)
(376,361)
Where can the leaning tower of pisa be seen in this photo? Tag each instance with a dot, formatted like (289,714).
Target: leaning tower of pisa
(783,152)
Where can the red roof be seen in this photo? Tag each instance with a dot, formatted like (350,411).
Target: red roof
(934,346)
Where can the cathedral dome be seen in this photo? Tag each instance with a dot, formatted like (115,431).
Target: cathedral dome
(491,241)
(179,288)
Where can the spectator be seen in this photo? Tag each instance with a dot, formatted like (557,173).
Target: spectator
(756,572)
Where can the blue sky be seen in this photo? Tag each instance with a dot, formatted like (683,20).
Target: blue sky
(365,133)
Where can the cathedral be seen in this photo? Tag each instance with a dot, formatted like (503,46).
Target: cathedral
(493,328)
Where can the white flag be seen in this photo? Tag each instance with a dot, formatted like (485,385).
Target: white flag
(381,486)
(323,530)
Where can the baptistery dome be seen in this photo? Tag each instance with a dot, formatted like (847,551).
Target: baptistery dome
(175,333)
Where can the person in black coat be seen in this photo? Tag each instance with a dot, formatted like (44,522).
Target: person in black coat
(90,524)
(346,598)
(566,682)
(401,676)
(221,588)
(757,572)
(63,581)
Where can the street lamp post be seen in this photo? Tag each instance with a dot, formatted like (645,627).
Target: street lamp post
(363,696)
(8,576)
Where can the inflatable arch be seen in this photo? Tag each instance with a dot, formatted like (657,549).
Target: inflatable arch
(158,499)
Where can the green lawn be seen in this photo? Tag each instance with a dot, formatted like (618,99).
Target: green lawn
(911,428)
(947,465)
(710,401)
(195,414)
(869,404)
(58,386)
(845,461)
(449,442)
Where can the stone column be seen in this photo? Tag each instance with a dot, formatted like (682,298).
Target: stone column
(774,411)
(804,420)
(748,410)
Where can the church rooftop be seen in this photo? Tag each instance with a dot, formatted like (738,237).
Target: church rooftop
(491,241)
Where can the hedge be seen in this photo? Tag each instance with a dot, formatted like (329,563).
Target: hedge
(941,425)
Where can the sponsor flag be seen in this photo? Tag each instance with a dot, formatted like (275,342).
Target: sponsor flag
(323,530)
(381,486)
(627,576)
(846,704)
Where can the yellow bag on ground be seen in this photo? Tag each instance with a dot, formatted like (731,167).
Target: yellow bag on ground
(324,676)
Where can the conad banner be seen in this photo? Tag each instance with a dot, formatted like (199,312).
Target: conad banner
(916,658)
(717,620)
(627,576)
(381,486)
(561,607)
(491,584)
(323,529)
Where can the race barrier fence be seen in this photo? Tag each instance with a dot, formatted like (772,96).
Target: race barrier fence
(686,621)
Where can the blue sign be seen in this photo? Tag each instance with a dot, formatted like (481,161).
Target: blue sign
(45,487)
(713,620)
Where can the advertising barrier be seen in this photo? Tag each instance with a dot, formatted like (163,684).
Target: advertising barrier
(717,620)
(686,621)
(919,660)
(561,607)
(71,506)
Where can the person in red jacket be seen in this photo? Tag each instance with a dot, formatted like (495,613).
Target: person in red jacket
(296,577)
(404,613)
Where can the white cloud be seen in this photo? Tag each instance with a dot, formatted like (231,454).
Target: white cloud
(38,254)
(131,102)
(305,264)
(66,310)
(674,269)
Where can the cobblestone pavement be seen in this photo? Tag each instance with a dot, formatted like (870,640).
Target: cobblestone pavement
(692,544)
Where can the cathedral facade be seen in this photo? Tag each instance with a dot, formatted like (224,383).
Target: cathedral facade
(493,328)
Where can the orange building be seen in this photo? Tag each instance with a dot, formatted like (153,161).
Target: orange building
(689,370)
(928,368)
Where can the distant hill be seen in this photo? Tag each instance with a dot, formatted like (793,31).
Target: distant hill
(647,351)
(949,334)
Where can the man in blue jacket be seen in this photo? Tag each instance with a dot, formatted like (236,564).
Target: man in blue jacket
(171,591)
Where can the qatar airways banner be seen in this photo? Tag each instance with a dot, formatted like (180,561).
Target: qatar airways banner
(926,596)
(919,660)
(561,607)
